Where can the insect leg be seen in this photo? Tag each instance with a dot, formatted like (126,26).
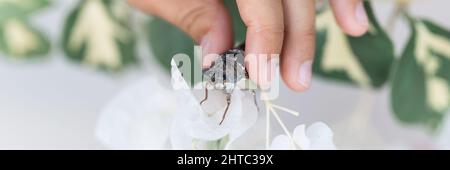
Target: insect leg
(226,109)
(254,99)
(206,96)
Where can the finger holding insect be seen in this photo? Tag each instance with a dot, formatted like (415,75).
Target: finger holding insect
(265,31)
(299,44)
(206,21)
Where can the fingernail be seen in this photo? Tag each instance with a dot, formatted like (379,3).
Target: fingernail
(304,74)
(264,74)
(270,71)
(361,15)
(206,48)
(204,43)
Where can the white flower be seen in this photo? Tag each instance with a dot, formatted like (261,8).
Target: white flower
(148,115)
(197,126)
(138,117)
(317,136)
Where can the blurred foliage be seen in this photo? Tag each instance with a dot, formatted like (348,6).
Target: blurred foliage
(18,38)
(167,40)
(363,61)
(98,33)
(420,85)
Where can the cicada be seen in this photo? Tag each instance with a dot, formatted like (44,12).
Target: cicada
(224,74)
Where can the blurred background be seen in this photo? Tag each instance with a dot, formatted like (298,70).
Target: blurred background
(53,103)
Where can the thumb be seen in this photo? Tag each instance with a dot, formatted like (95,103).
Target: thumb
(206,21)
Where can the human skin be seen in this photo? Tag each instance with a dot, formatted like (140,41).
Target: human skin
(284,27)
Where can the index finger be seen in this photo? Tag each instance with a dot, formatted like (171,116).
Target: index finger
(265,32)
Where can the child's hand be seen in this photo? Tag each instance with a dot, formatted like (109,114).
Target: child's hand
(283,27)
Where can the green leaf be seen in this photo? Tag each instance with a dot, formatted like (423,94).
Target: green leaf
(97,33)
(18,38)
(239,27)
(420,88)
(166,40)
(16,8)
(362,61)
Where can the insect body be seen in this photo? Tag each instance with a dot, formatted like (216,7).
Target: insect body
(224,74)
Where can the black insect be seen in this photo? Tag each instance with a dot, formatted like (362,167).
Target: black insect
(224,74)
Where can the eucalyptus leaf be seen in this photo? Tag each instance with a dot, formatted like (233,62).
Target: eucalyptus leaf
(18,38)
(420,88)
(97,33)
(362,61)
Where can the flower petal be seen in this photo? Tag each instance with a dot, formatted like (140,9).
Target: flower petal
(248,119)
(206,125)
(300,137)
(179,139)
(188,109)
(138,117)
(281,142)
(178,82)
(321,136)
(252,139)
